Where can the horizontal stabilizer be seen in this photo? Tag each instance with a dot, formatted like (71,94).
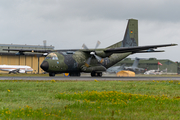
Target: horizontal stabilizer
(136,49)
(146,51)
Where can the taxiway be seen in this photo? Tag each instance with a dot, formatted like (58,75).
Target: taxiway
(84,78)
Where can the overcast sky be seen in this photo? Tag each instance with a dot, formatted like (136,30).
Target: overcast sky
(70,23)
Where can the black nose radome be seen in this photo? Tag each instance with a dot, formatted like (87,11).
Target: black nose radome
(45,65)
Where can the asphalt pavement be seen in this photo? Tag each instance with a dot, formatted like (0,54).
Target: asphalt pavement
(84,78)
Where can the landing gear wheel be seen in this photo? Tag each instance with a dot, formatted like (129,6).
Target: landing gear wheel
(92,74)
(99,74)
(96,74)
(51,74)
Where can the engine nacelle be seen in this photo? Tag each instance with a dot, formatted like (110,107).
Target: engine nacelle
(21,71)
(93,68)
(101,54)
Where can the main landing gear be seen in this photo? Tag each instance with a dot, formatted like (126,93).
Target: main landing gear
(96,74)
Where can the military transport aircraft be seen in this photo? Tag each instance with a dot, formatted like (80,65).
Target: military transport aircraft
(94,61)
(133,68)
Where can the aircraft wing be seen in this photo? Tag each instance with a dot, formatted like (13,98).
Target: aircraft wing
(136,49)
(36,51)
(14,70)
(29,50)
(32,51)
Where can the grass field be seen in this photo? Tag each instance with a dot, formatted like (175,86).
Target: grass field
(103,100)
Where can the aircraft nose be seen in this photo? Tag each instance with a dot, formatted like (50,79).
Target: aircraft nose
(45,65)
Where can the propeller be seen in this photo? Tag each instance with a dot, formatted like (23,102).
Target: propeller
(93,53)
(44,42)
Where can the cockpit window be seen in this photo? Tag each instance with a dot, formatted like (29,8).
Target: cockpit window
(52,56)
(48,58)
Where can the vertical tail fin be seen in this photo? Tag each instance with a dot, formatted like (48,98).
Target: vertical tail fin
(130,36)
(122,67)
(136,62)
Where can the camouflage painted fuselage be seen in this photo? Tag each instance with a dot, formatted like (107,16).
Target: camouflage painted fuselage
(73,62)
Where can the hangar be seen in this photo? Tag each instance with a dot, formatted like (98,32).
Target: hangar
(13,58)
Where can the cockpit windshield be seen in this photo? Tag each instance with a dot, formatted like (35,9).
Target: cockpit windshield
(52,56)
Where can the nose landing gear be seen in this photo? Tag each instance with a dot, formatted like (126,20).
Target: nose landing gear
(51,74)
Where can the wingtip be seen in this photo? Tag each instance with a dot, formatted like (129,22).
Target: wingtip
(174,44)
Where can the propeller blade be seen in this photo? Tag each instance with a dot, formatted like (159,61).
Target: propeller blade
(97,44)
(84,47)
(99,59)
(88,61)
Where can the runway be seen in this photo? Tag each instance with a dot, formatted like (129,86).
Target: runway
(87,78)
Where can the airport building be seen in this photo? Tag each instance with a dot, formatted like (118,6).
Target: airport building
(29,59)
(152,64)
